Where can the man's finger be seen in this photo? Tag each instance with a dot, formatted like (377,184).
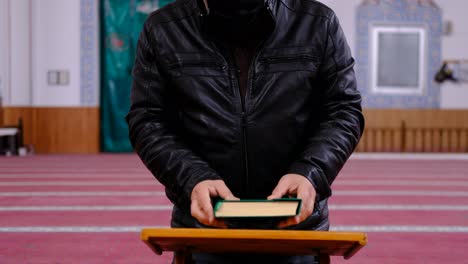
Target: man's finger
(281,189)
(205,205)
(200,214)
(289,222)
(202,209)
(223,191)
(219,224)
(307,206)
(197,213)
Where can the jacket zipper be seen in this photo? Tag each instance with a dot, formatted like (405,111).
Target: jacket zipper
(244,109)
(245,152)
(290,58)
(194,64)
(234,72)
(243,126)
(245,112)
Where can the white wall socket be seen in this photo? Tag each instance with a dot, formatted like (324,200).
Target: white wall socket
(58,78)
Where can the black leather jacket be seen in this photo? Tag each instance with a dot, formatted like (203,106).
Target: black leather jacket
(302,111)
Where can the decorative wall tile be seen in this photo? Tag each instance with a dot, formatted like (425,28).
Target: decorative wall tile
(89,87)
(399,12)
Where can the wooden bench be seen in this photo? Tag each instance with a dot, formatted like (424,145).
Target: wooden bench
(185,241)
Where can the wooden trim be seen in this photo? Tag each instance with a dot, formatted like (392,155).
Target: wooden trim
(57,130)
(76,130)
(1,116)
(397,130)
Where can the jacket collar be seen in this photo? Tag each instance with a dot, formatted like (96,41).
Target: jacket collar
(203,12)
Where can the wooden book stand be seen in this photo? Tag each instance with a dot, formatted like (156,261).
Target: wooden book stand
(185,241)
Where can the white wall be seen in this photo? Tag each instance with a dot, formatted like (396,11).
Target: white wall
(3,47)
(346,12)
(454,46)
(45,35)
(18,89)
(56,34)
(39,36)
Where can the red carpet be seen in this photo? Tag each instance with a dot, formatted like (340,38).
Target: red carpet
(89,209)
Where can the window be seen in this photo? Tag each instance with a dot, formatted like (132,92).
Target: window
(398,59)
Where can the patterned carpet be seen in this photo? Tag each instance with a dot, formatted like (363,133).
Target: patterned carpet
(90,208)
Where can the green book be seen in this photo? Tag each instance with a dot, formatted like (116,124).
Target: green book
(285,207)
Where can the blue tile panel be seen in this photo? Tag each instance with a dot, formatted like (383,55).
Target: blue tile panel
(399,12)
(89,75)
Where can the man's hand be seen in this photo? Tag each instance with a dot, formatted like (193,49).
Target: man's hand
(202,208)
(295,185)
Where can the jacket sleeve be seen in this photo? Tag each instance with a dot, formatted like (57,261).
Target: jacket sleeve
(151,130)
(341,123)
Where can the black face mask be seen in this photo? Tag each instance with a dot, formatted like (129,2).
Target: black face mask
(235,8)
(237,19)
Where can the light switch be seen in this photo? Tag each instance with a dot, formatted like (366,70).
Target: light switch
(52,78)
(58,77)
(64,77)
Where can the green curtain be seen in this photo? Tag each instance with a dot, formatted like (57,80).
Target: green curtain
(121,24)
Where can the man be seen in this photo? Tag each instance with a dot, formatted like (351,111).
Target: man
(245,99)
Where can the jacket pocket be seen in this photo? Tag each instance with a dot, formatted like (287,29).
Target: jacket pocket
(195,64)
(289,63)
(290,58)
